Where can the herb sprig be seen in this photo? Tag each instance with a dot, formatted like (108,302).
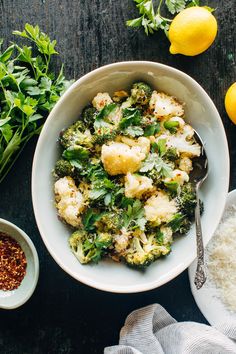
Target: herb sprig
(151,18)
(28,92)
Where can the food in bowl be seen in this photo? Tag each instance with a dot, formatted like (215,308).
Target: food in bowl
(122,182)
(13,263)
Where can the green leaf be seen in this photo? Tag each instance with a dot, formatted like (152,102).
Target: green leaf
(108,199)
(19,33)
(32,31)
(153,161)
(133,131)
(33,91)
(11,148)
(35,117)
(136,22)
(159,236)
(6,131)
(101,119)
(133,217)
(45,83)
(152,129)
(5,56)
(78,153)
(2,71)
(149,163)
(176,222)
(10,97)
(4,121)
(28,82)
(161,145)
(89,219)
(25,54)
(175,6)
(25,104)
(131,116)
(97,193)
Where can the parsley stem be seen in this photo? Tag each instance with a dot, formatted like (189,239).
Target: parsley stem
(159,12)
(159,7)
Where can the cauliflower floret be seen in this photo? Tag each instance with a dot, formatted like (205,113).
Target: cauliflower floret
(142,142)
(136,186)
(178,176)
(159,208)
(64,187)
(183,142)
(164,106)
(119,158)
(122,240)
(69,201)
(185,164)
(101,100)
(188,131)
(183,146)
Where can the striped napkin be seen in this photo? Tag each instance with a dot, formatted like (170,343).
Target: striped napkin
(151,330)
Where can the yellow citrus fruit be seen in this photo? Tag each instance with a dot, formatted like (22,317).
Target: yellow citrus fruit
(192,31)
(230,102)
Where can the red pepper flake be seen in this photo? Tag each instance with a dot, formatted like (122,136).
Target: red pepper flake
(12,263)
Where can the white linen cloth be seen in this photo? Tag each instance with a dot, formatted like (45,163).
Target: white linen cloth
(151,330)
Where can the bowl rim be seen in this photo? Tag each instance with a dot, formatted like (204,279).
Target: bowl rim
(188,260)
(29,242)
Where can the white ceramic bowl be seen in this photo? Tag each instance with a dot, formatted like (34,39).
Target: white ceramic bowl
(200,112)
(15,298)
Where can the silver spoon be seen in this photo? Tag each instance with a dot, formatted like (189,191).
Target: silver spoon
(197,177)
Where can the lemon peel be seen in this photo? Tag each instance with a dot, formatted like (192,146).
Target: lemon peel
(192,31)
(230,102)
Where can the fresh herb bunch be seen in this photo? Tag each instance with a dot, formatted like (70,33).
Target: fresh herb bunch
(28,92)
(151,18)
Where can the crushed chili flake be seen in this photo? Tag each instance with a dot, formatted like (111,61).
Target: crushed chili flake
(12,263)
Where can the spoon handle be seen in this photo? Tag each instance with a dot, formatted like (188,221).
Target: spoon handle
(200,276)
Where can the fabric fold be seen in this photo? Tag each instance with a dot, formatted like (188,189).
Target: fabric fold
(152,330)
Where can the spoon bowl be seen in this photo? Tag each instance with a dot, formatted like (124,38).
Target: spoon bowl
(17,297)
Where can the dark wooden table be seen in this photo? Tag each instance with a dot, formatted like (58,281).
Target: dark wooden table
(64,316)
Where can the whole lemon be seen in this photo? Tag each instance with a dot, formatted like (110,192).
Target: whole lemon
(230,102)
(192,31)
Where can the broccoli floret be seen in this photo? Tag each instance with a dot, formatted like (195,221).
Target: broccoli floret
(136,257)
(88,116)
(180,224)
(186,204)
(89,247)
(141,93)
(104,134)
(141,253)
(109,222)
(171,154)
(103,240)
(76,135)
(186,200)
(155,176)
(63,168)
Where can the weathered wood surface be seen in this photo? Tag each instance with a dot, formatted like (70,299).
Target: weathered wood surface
(64,316)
